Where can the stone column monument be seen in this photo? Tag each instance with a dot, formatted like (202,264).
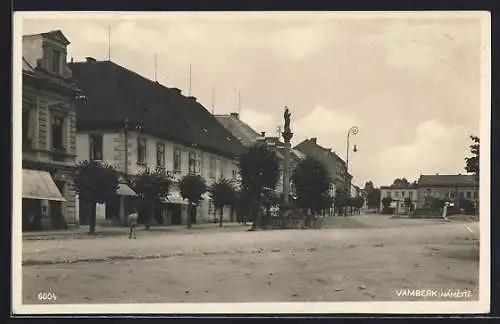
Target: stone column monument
(287,136)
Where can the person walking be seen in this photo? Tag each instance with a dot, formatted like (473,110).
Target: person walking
(132,222)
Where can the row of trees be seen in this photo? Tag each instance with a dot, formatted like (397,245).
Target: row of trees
(259,175)
(97,182)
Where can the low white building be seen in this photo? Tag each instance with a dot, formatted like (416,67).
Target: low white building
(399,194)
(133,123)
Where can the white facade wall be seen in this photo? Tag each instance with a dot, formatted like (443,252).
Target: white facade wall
(114,154)
(398,196)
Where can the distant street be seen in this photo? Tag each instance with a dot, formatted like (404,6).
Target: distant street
(359,258)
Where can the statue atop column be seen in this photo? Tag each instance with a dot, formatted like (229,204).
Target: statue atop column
(287,133)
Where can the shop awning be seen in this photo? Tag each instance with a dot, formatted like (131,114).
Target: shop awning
(39,185)
(175,197)
(125,190)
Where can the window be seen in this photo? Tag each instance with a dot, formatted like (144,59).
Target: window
(410,194)
(198,163)
(160,155)
(222,167)
(212,167)
(452,194)
(396,194)
(177,159)
(95,141)
(56,61)
(476,194)
(235,173)
(57,132)
(469,194)
(461,194)
(192,162)
(26,128)
(403,194)
(389,194)
(141,150)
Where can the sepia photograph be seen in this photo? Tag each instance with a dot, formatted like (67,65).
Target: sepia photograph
(251,162)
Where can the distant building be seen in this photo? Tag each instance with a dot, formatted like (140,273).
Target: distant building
(399,194)
(248,137)
(133,123)
(355,191)
(336,167)
(49,93)
(448,187)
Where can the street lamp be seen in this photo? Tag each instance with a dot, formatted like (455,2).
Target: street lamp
(352,131)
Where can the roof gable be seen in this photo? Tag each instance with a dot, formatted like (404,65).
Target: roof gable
(241,130)
(58,36)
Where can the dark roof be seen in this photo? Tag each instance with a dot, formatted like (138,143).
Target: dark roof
(115,93)
(441,180)
(330,159)
(241,130)
(411,186)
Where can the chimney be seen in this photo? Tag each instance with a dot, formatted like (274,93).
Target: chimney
(90,59)
(314,139)
(263,134)
(235,115)
(192,98)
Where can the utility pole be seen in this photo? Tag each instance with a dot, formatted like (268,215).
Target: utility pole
(109,43)
(213,101)
(239,102)
(189,79)
(156,62)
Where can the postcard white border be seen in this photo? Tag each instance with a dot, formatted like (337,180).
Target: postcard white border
(458,307)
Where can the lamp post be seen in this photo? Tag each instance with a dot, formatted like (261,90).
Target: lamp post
(352,131)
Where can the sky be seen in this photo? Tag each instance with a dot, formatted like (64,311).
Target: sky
(411,84)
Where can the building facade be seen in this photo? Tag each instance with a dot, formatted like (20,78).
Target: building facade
(49,96)
(399,195)
(336,167)
(134,123)
(447,187)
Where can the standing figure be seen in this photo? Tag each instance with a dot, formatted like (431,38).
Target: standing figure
(287,115)
(132,222)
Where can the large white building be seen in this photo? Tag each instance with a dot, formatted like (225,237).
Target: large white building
(133,123)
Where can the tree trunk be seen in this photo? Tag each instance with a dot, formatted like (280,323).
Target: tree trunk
(92,219)
(190,213)
(221,216)
(258,214)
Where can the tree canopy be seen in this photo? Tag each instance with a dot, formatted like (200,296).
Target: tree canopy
(372,195)
(259,169)
(192,187)
(401,182)
(222,193)
(150,187)
(312,185)
(472,162)
(95,182)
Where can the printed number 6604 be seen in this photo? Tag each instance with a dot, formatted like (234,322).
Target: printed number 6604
(47,296)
